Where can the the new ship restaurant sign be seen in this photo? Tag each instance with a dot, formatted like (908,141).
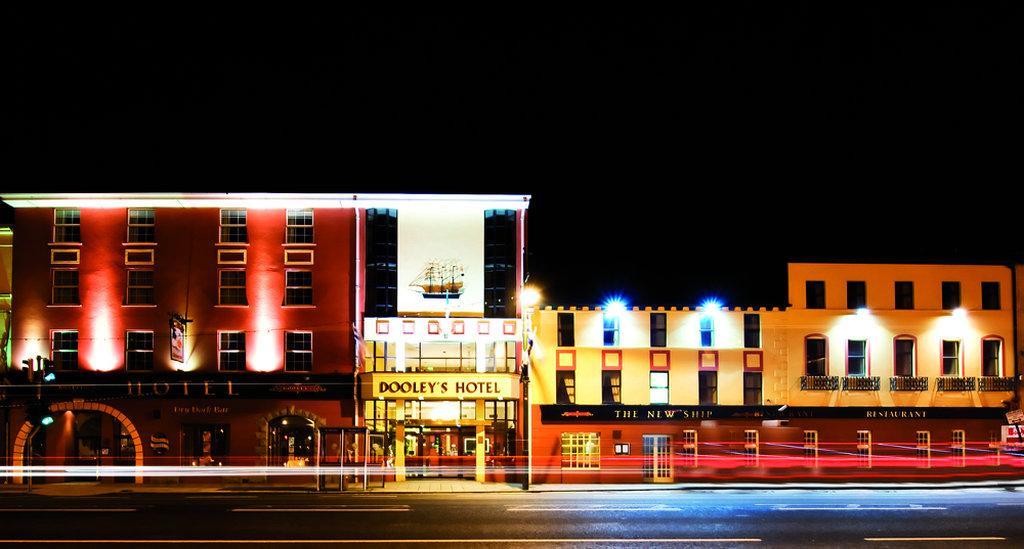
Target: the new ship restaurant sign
(466,386)
(558,413)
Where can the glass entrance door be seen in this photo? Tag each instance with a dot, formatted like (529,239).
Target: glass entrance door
(438,451)
(657,458)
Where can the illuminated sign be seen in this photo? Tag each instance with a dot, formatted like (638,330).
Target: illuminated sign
(177,339)
(555,413)
(439,386)
(441,260)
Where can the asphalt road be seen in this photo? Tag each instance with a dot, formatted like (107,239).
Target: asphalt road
(721,518)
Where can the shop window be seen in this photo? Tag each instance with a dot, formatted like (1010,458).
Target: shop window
(232,351)
(811,444)
(707,388)
(565,381)
(815,292)
(958,444)
(904,350)
(467,410)
(856,294)
(659,323)
(659,387)
(64,349)
(381,262)
(499,263)
(379,415)
(857,358)
(298,288)
(140,289)
(751,443)
(707,331)
(752,331)
(904,295)
(924,445)
(64,287)
(864,448)
(991,357)
(950,357)
(139,351)
(233,227)
(205,445)
(611,330)
(566,330)
(298,351)
(950,295)
(232,287)
(751,388)
(581,450)
(689,448)
(299,229)
(816,363)
(141,225)
(611,387)
(67,225)
(990,296)
(383,356)
(292,441)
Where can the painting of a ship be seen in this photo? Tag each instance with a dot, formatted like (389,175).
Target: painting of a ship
(440,279)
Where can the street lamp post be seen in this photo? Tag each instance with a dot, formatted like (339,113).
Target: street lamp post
(530,297)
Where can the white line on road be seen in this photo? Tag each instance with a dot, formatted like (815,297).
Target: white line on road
(850,507)
(221,497)
(975,538)
(598,508)
(66,510)
(400,509)
(376,541)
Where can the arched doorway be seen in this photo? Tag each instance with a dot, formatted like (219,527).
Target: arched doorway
(292,441)
(127,431)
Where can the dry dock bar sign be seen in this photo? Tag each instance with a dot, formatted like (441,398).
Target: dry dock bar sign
(432,386)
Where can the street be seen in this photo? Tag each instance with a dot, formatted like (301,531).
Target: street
(721,518)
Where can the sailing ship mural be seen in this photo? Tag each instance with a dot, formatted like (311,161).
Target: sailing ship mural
(440,279)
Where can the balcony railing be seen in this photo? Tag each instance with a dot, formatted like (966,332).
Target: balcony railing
(819,383)
(992,383)
(956,383)
(908,383)
(851,383)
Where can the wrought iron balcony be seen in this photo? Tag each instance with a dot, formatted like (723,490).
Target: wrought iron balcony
(992,383)
(851,383)
(908,383)
(819,383)
(956,383)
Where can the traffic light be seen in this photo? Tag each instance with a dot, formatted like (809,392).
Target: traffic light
(39,414)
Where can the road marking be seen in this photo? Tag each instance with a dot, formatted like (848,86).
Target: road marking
(376,541)
(976,538)
(338,509)
(597,508)
(66,510)
(1010,504)
(852,507)
(220,497)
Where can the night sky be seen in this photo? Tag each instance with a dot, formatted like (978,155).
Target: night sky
(670,157)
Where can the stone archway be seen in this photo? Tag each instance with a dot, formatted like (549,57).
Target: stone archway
(263,431)
(18,459)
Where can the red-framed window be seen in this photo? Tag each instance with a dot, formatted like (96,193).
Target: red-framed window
(993,357)
(458,327)
(660,360)
(904,355)
(433,327)
(483,327)
(565,359)
(815,355)
(707,360)
(611,360)
(383,327)
(753,361)
(408,327)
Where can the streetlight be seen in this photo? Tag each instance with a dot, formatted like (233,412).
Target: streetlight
(529,297)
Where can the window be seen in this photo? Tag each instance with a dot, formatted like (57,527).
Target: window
(566,330)
(233,227)
(67,225)
(140,288)
(138,351)
(298,351)
(950,357)
(992,357)
(566,387)
(957,444)
(811,444)
(950,295)
(856,358)
(659,324)
(141,225)
(611,387)
(232,287)
(381,262)
(924,444)
(707,388)
(298,288)
(990,296)
(299,228)
(864,445)
(499,263)
(751,443)
(904,295)
(622,448)
(383,356)
(814,352)
(751,388)
(65,287)
(441,356)
(815,294)
(903,357)
(64,349)
(707,331)
(659,387)
(500,356)
(752,331)
(232,351)
(611,330)
(856,294)
(581,450)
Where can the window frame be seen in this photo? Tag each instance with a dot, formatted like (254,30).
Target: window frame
(288,226)
(824,339)
(296,289)
(140,227)
(77,302)
(897,304)
(566,334)
(866,358)
(702,385)
(568,390)
(57,225)
(150,352)
(288,351)
(708,331)
(616,325)
(958,295)
(653,387)
(659,334)
(862,293)
(609,395)
(816,285)
(221,350)
(987,287)
(1001,359)
(128,301)
(959,357)
(54,350)
(747,387)
(221,225)
(580,460)
(748,329)
(221,287)
(913,354)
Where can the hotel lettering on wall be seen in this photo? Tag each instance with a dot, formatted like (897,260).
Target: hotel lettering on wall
(433,386)
(629,414)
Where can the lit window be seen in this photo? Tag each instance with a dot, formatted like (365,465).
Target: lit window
(67,225)
(383,356)
(707,331)
(298,288)
(814,352)
(64,349)
(232,226)
(298,351)
(140,288)
(565,387)
(857,358)
(232,351)
(581,450)
(992,357)
(232,287)
(611,330)
(903,359)
(500,356)
(811,444)
(300,226)
(65,287)
(611,387)
(622,448)
(141,225)
(950,358)
(659,387)
(138,351)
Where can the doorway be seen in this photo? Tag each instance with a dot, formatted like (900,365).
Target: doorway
(440,452)
(657,458)
(292,442)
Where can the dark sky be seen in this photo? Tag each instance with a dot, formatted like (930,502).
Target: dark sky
(670,156)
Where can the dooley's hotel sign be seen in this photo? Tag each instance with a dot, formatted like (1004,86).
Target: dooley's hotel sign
(414,386)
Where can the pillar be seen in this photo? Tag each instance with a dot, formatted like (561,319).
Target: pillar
(400,440)
(481,450)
